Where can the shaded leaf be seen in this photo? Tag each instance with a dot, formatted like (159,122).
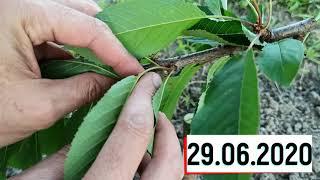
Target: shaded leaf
(52,139)
(158,98)
(230,105)
(225,32)
(174,89)
(3,162)
(228,177)
(96,128)
(25,153)
(280,61)
(59,69)
(225,104)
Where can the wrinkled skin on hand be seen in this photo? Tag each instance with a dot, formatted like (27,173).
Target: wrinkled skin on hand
(29,34)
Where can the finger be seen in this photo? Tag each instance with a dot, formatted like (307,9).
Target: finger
(128,142)
(68,26)
(46,101)
(144,163)
(49,169)
(50,51)
(167,161)
(88,7)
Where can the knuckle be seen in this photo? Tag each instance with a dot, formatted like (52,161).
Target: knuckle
(97,28)
(137,124)
(89,88)
(35,27)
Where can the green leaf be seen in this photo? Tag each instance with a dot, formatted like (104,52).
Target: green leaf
(25,153)
(231,102)
(280,61)
(147,26)
(215,67)
(230,105)
(59,69)
(83,53)
(225,32)
(174,89)
(228,177)
(224,4)
(96,128)
(158,98)
(3,162)
(73,123)
(317,17)
(214,6)
(52,139)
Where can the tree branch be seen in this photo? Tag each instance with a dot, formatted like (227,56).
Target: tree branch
(291,31)
(199,57)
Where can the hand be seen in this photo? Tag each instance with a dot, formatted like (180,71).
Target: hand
(29,103)
(125,148)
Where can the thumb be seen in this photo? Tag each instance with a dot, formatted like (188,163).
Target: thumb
(49,169)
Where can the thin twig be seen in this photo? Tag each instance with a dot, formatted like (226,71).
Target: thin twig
(270,15)
(256,6)
(253,9)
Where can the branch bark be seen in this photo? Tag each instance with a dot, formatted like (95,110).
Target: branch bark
(291,31)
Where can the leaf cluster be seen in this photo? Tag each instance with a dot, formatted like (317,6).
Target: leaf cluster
(228,105)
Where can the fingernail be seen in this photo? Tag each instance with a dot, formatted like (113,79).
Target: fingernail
(98,8)
(156,79)
(162,115)
(95,6)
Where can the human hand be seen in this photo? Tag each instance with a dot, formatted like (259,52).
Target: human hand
(29,103)
(124,151)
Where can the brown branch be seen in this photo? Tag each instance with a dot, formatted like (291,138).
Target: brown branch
(199,57)
(294,31)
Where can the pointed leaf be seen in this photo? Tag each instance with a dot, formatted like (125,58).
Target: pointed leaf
(225,32)
(158,98)
(96,128)
(281,61)
(174,89)
(231,103)
(147,26)
(59,69)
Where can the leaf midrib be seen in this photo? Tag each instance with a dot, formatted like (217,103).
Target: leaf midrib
(162,24)
(92,65)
